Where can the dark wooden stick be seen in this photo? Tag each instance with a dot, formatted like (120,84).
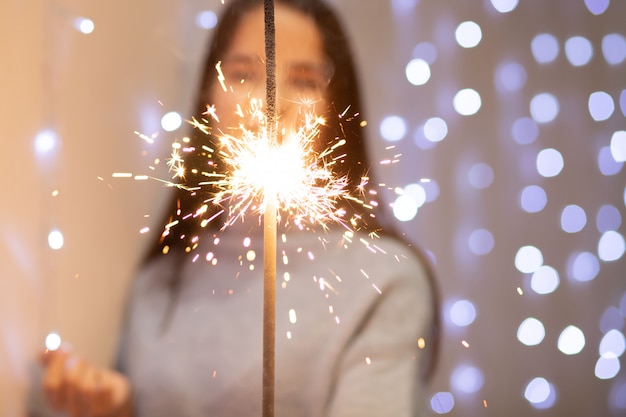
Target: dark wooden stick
(269,222)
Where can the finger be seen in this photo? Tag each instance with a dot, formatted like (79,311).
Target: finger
(114,398)
(53,379)
(74,386)
(102,399)
(121,391)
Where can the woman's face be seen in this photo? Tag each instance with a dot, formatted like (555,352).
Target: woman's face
(302,71)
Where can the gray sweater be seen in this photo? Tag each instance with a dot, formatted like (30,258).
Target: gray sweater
(349,315)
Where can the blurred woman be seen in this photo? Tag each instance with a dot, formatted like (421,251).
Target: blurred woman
(356,318)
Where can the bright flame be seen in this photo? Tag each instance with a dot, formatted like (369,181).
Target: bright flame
(301,177)
(243,169)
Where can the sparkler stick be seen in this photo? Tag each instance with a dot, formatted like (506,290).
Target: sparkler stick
(303,186)
(269,223)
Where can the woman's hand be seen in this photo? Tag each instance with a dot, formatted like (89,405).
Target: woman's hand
(73,385)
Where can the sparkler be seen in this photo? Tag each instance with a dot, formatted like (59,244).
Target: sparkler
(269,224)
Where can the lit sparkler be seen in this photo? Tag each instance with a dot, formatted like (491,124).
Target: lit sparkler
(272,178)
(305,187)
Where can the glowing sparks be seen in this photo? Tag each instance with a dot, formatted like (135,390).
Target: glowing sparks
(210,111)
(147,138)
(199,125)
(220,75)
(301,177)
(236,172)
(176,161)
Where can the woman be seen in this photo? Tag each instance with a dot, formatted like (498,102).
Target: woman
(353,314)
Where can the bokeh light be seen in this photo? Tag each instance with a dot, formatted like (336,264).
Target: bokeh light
(480,175)
(583,267)
(426,51)
(578,51)
(481,242)
(393,128)
(528,259)
(573,219)
(416,192)
(525,130)
(612,318)
(467,102)
(45,141)
(607,366)
(545,280)
(608,218)
(504,6)
(549,162)
(612,342)
(607,164)
(571,340)
(401,7)
(600,105)
(545,48)
(614,48)
(206,19)
(540,393)
(171,121)
(404,208)
(84,25)
(467,379)
(410,199)
(462,313)
(611,246)
(420,140)
(53,341)
(417,71)
(531,332)
(442,402)
(544,107)
(597,7)
(55,239)
(510,76)
(435,129)
(618,146)
(468,34)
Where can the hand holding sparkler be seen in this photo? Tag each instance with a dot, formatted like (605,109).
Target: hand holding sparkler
(79,388)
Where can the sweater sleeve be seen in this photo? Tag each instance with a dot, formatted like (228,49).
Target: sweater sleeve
(379,370)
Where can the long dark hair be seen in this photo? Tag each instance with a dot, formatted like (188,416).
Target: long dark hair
(345,120)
